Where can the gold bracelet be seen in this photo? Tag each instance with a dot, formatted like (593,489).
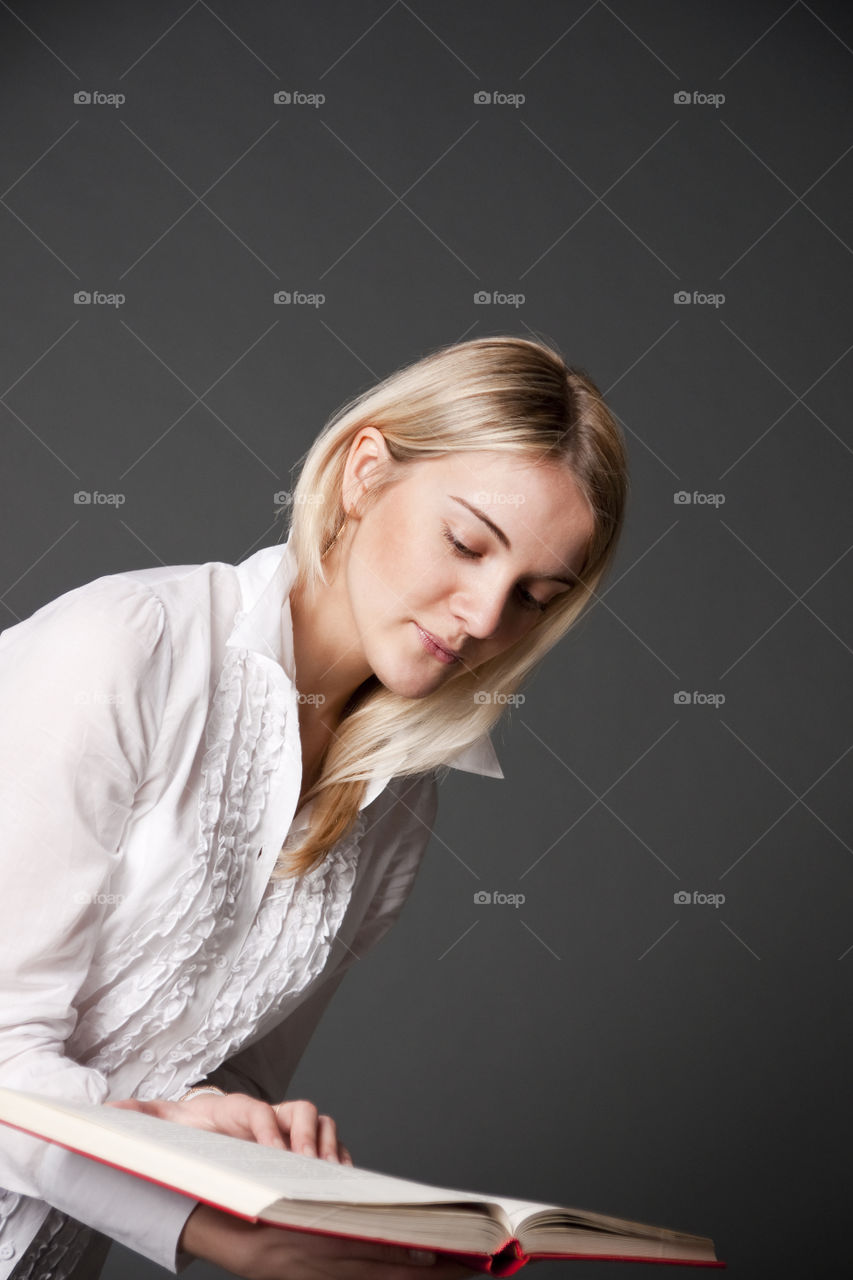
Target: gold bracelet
(201,1088)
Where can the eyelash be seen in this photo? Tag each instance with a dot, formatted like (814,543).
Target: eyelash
(528,601)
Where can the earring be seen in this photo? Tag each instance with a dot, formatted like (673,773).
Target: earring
(337,535)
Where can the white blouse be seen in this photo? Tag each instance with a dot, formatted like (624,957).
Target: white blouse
(150,769)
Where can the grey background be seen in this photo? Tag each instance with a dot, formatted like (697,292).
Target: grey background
(600,1045)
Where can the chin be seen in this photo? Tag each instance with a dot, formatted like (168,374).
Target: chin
(407,682)
(410,686)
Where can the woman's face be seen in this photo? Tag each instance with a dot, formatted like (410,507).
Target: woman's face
(462,553)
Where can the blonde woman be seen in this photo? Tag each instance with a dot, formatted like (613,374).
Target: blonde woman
(217,782)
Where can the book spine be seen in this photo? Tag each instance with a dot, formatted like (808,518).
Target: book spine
(505,1262)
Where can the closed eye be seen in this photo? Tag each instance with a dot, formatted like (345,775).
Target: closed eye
(528,601)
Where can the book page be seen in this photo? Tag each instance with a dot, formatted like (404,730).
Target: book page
(205,1164)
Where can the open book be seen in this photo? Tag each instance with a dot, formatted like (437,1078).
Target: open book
(265,1184)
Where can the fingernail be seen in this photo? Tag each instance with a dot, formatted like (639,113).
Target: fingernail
(422,1255)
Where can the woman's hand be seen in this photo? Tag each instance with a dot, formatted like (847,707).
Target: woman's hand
(291,1126)
(258,1252)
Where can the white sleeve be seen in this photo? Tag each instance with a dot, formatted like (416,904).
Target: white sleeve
(83,685)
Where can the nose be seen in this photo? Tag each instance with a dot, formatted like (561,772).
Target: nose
(481,611)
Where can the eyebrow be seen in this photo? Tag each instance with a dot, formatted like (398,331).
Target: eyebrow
(501,536)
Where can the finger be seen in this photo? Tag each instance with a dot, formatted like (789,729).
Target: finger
(263,1126)
(391,1256)
(151,1106)
(303,1128)
(346,1158)
(362,1259)
(327,1138)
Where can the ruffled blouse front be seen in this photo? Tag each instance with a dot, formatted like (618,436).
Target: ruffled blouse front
(153,715)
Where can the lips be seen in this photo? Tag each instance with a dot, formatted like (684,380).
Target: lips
(437,647)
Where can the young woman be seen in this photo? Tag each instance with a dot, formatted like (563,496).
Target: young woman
(217,782)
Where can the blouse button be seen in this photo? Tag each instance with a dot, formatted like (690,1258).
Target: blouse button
(147,1055)
(7,1251)
(220,961)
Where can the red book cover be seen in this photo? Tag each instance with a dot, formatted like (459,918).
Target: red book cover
(505,1261)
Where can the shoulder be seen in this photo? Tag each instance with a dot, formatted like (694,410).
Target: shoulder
(197,599)
(111,621)
(399,823)
(407,806)
(399,826)
(135,618)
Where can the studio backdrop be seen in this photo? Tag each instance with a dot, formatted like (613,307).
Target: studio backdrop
(623,979)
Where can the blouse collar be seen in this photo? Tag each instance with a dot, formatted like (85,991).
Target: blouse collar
(266,627)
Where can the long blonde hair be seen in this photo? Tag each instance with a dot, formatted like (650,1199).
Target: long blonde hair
(501,393)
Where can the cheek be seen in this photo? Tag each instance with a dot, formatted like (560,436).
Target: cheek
(413,569)
(382,575)
(397,572)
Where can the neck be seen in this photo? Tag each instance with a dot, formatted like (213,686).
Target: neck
(329,667)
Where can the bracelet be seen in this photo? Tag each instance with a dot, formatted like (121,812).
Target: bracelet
(201,1088)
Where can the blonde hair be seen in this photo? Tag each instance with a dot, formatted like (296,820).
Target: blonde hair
(501,393)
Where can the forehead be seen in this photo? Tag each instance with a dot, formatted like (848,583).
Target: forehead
(505,471)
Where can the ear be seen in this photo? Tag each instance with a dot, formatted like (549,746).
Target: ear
(367,452)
